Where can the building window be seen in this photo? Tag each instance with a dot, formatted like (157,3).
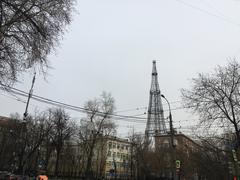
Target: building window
(109,153)
(165,145)
(118,165)
(114,145)
(109,163)
(126,147)
(114,154)
(118,146)
(110,145)
(175,142)
(118,155)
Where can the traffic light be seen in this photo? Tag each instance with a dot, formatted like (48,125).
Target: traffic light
(178,164)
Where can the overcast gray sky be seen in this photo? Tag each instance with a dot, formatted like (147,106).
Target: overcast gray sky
(110,46)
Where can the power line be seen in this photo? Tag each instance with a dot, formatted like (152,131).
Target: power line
(14,98)
(72,107)
(68,106)
(132,109)
(127,110)
(145,107)
(41,99)
(224,18)
(132,119)
(213,7)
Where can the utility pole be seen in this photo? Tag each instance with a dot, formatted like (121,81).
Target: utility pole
(29,97)
(132,144)
(25,114)
(175,176)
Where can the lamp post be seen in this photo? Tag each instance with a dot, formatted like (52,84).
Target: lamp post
(172,139)
(24,122)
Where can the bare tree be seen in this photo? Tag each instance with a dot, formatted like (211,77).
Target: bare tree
(209,158)
(216,97)
(62,130)
(96,125)
(34,135)
(21,142)
(29,30)
(141,157)
(9,136)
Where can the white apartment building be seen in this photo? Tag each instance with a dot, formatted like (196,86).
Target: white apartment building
(118,157)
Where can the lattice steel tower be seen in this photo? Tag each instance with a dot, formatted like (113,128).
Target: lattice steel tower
(155,119)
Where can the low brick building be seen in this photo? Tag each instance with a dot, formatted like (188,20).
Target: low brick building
(183,150)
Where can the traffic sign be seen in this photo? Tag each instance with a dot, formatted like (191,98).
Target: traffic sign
(178,164)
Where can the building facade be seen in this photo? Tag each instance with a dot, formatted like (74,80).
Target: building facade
(182,150)
(118,157)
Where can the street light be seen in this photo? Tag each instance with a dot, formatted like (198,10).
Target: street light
(170,119)
(172,137)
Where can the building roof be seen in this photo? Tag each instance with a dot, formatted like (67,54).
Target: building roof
(180,135)
(6,122)
(114,138)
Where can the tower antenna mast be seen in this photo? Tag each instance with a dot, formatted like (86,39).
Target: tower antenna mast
(155,118)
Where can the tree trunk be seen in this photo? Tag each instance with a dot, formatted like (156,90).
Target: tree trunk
(20,162)
(88,173)
(237,136)
(57,162)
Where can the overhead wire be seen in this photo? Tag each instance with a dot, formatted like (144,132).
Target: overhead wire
(36,97)
(40,100)
(224,18)
(115,118)
(68,106)
(14,98)
(213,7)
(72,107)
(130,119)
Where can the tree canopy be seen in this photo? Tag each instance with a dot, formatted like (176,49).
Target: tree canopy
(29,30)
(216,97)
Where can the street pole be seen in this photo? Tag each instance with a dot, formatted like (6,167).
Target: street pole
(25,114)
(175,176)
(29,96)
